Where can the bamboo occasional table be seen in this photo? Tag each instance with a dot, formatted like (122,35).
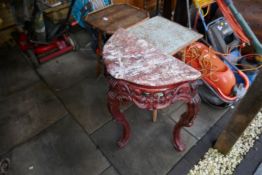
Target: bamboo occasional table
(142,73)
(113,17)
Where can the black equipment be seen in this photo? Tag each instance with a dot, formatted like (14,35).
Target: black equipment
(221,36)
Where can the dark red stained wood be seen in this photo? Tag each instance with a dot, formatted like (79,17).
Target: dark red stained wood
(244,114)
(152,99)
(116,16)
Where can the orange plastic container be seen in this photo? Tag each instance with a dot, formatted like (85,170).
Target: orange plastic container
(214,71)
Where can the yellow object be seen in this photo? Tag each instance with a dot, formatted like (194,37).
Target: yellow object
(258,58)
(202,3)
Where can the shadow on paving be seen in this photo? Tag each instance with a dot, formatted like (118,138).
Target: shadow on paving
(63,149)
(16,73)
(206,118)
(26,113)
(86,101)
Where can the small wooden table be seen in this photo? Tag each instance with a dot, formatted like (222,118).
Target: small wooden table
(140,72)
(113,17)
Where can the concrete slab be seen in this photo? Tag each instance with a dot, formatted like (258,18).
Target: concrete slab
(150,150)
(171,109)
(87,103)
(68,69)
(206,118)
(110,171)
(181,168)
(26,113)
(224,121)
(259,170)
(63,149)
(251,161)
(15,72)
(198,151)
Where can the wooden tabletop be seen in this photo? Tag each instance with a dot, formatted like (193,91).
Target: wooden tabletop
(116,16)
(165,35)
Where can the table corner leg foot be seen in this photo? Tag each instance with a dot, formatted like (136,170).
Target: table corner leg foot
(113,106)
(178,144)
(186,120)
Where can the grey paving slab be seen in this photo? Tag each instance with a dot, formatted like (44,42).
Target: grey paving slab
(171,109)
(15,72)
(26,113)
(198,151)
(258,170)
(63,149)
(206,118)
(251,161)
(150,149)
(224,121)
(87,103)
(66,70)
(110,171)
(181,168)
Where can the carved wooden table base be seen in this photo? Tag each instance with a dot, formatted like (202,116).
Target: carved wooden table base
(152,98)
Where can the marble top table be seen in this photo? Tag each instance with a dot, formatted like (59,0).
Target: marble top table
(127,57)
(165,35)
(138,71)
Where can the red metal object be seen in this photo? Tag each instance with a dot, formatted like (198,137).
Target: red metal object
(41,49)
(23,42)
(56,54)
(152,98)
(74,23)
(53,49)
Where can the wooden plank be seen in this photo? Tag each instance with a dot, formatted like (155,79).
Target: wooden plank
(116,16)
(244,114)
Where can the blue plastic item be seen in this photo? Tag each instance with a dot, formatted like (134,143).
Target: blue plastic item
(81,9)
(232,59)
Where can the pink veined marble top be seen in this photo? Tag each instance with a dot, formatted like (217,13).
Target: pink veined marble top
(135,60)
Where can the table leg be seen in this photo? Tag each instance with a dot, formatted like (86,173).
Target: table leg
(99,52)
(154,115)
(186,120)
(114,109)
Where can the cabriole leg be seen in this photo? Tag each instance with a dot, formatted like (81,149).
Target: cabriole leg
(114,109)
(186,120)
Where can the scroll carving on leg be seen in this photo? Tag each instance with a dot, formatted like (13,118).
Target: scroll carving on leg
(186,120)
(114,109)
